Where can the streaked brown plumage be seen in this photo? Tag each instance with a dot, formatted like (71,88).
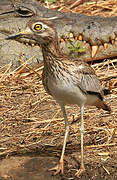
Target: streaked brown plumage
(68,80)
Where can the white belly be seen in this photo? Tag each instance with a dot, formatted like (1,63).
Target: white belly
(67,93)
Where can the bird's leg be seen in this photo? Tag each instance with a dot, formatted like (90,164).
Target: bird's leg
(82,168)
(60,166)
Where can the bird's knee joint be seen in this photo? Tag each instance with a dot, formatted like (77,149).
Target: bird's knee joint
(67,128)
(82,130)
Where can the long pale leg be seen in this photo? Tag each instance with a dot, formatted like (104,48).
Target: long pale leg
(82,168)
(60,166)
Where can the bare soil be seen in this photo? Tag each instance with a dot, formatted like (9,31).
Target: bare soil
(32,129)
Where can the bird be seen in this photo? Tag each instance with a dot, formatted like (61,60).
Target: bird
(68,80)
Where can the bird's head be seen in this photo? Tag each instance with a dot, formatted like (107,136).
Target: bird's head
(42,31)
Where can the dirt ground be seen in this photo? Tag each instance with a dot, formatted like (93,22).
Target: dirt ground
(32,130)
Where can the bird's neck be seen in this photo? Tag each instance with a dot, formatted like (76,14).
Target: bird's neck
(51,50)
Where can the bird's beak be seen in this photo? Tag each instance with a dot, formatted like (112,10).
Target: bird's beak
(22,33)
(15,36)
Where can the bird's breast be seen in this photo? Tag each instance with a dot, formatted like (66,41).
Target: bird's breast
(64,91)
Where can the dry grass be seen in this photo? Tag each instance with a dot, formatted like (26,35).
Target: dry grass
(91,7)
(30,119)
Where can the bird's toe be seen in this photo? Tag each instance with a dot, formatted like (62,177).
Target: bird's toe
(58,168)
(80,171)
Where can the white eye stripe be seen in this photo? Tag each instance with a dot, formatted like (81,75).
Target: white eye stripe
(51,18)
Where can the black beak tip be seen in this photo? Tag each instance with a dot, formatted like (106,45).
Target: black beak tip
(7,38)
(12,37)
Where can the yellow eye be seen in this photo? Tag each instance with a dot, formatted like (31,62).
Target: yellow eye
(37,27)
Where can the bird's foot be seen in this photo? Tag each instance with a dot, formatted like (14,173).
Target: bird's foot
(80,171)
(58,168)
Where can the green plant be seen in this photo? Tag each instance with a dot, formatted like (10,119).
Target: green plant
(76,47)
(53,1)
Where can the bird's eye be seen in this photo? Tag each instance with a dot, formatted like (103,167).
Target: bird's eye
(38,27)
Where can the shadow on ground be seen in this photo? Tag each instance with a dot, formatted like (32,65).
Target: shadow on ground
(36,168)
(27,168)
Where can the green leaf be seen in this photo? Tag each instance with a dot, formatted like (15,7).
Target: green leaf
(24,151)
(76,48)
(1,119)
(53,1)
